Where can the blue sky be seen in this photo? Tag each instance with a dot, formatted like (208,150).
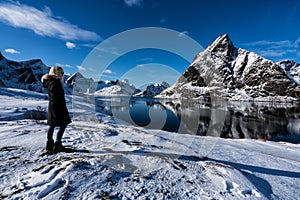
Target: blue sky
(65,32)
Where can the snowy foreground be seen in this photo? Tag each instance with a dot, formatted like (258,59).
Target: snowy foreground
(126,162)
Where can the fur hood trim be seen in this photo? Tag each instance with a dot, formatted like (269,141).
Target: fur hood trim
(46,77)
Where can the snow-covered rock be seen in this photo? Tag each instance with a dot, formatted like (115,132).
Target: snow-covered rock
(80,84)
(22,75)
(127,162)
(25,75)
(113,88)
(83,85)
(153,89)
(292,69)
(234,73)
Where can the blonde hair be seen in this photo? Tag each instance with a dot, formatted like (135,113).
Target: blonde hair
(53,70)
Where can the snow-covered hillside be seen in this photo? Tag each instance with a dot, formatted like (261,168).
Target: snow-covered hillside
(153,89)
(79,84)
(82,85)
(292,69)
(115,88)
(234,73)
(25,75)
(127,162)
(22,75)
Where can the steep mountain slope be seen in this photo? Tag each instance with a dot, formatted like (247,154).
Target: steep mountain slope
(234,73)
(22,75)
(292,69)
(153,89)
(112,88)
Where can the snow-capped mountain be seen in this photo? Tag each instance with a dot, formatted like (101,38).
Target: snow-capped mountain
(153,89)
(292,69)
(79,84)
(22,75)
(83,85)
(112,88)
(234,73)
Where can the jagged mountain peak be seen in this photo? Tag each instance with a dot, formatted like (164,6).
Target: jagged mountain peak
(236,74)
(72,78)
(22,75)
(222,42)
(223,46)
(288,64)
(291,68)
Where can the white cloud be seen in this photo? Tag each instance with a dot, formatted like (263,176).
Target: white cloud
(271,53)
(107,71)
(80,68)
(183,33)
(12,51)
(140,66)
(297,42)
(271,44)
(43,23)
(70,45)
(68,66)
(112,51)
(132,3)
(63,65)
(91,69)
(274,49)
(146,60)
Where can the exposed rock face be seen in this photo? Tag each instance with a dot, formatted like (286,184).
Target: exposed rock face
(292,69)
(115,88)
(79,84)
(22,75)
(224,70)
(153,89)
(1,56)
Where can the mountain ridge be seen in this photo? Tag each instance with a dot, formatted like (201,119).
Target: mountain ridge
(235,74)
(22,74)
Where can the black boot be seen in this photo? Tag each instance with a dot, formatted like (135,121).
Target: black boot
(50,145)
(58,147)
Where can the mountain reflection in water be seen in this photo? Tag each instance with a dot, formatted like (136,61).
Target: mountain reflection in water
(268,121)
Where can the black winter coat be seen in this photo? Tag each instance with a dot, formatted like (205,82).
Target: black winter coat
(58,114)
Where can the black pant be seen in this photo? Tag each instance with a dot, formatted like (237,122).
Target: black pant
(59,133)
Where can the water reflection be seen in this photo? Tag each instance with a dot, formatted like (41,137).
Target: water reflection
(279,122)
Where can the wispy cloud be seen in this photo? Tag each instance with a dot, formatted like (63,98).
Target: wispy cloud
(80,68)
(134,3)
(272,53)
(64,65)
(140,66)
(110,50)
(271,44)
(70,45)
(274,49)
(146,60)
(68,66)
(107,71)
(12,51)
(297,42)
(183,33)
(43,22)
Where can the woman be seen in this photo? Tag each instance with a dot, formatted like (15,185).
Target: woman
(58,115)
